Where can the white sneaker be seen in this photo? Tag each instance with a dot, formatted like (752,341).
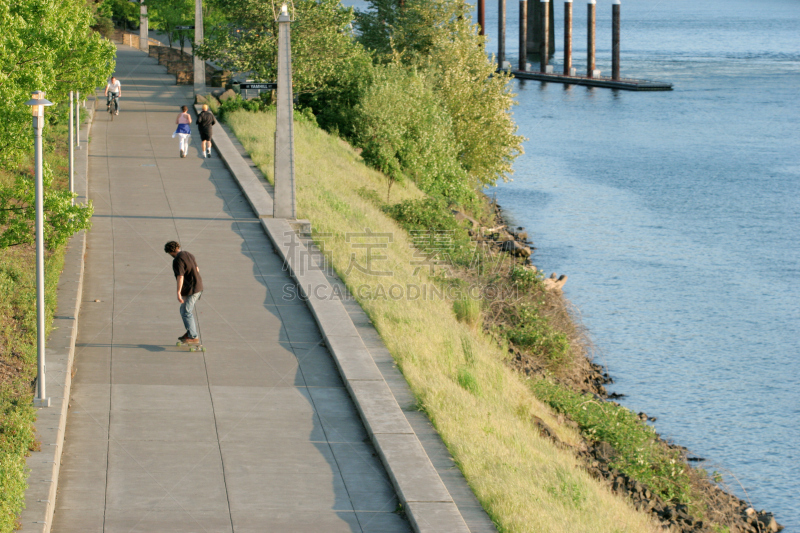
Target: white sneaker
(205,155)
(117,113)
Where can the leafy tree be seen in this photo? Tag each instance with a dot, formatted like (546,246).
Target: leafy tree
(123,12)
(45,45)
(323,49)
(167,15)
(437,38)
(18,212)
(478,99)
(405,131)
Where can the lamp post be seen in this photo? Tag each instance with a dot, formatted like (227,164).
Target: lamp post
(144,30)
(198,63)
(71,147)
(78,119)
(38,103)
(284,205)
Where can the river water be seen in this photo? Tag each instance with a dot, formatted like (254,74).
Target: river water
(676,216)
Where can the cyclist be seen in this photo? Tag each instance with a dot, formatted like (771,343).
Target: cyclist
(114,91)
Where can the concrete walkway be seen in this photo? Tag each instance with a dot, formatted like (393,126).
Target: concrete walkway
(257,433)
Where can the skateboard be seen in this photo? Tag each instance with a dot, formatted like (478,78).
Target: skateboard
(192,347)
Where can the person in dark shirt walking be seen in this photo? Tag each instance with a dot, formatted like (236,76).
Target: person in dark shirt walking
(205,120)
(190,287)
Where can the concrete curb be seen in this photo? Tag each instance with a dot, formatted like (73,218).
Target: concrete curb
(51,422)
(428,505)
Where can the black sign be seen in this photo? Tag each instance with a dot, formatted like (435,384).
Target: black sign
(266,86)
(184,27)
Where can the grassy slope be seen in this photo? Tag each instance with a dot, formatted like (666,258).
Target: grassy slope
(18,344)
(523,481)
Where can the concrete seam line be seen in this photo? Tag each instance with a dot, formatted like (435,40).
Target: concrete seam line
(421,482)
(44,465)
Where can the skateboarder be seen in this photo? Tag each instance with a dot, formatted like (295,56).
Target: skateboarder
(190,287)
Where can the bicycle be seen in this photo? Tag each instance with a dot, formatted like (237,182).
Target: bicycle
(112,109)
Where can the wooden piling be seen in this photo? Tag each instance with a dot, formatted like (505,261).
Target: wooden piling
(482,16)
(501,31)
(590,47)
(544,52)
(523,35)
(567,37)
(615,30)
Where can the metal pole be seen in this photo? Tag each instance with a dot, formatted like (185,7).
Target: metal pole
(544,51)
(41,399)
(71,148)
(567,37)
(144,34)
(592,21)
(78,119)
(523,35)
(482,16)
(615,30)
(284,205)
(501,30)
(199,64)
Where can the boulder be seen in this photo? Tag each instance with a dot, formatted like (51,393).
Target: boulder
(513,247)
(200,99)
(463,216)
(227,95)
(555,283)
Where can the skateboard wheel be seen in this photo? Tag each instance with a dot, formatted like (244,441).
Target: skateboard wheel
(192,349)
(178,343)
(203,349)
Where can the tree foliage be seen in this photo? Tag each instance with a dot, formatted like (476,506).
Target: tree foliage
(17,212)
(168,15)
(438,38)
(323,48)
(45,45)
(405,130)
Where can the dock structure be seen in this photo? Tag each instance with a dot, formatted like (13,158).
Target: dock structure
(628,84)
(593,77)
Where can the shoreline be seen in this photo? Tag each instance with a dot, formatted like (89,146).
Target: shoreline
(595,456)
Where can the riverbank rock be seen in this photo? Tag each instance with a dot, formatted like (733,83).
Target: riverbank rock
(227,95)
(553,283)
(516,248)
(461,217)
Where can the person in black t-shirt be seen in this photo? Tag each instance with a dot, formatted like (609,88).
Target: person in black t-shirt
(205,121)
(190,287)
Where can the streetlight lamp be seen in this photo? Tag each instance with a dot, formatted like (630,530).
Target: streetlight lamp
(38,103)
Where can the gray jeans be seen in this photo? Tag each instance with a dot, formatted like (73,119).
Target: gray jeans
(186,313)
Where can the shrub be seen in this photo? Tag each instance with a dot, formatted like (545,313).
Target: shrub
(405,132)
(468,310)
(639,453)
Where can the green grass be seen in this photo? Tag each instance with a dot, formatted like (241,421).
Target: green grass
(482,409)
(18,341)
(639,453)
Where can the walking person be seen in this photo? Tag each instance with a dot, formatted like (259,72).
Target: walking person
(205,120)
(113,92)
(183,132)
(190,287)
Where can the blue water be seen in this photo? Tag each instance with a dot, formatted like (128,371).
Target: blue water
(676,216)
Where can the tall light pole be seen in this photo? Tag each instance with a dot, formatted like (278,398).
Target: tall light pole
(38,103)
(284,205)
(144,33)
(199,64)
(71,147)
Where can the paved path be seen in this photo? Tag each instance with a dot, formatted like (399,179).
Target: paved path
(257,433)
